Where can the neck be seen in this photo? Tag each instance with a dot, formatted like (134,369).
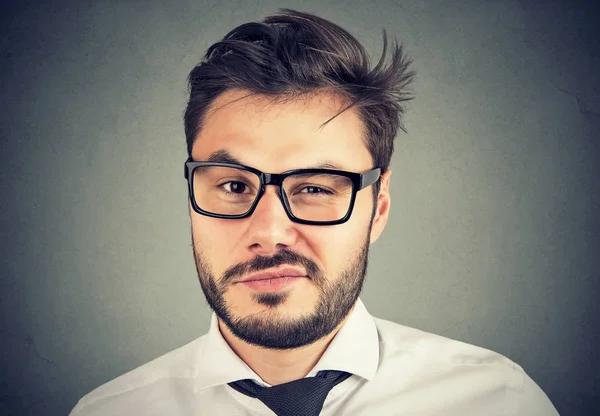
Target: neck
(279,366)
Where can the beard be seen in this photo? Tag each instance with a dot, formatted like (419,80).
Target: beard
(272,330)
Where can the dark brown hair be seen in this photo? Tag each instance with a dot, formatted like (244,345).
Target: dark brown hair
(293,54)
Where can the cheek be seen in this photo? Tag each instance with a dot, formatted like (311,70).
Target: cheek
(361,214)
(356,229)
(213,239)
(336,246)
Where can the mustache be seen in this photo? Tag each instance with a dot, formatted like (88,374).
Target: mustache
(258,263)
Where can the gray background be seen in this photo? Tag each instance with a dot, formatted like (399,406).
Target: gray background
(494,231)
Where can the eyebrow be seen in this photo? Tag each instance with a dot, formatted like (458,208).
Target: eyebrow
(223,156)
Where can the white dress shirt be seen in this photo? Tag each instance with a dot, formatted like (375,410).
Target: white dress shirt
(396,370)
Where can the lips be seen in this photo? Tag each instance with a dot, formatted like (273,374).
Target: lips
(266,275)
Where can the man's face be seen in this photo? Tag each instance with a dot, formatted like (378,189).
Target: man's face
(276,137)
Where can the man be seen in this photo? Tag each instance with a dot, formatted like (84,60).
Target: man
(289,135)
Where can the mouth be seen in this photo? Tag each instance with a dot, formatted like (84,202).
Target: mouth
(274,274)
(273,280)
(271,285)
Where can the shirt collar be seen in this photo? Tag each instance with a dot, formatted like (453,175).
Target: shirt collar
(355,348)
(218,364)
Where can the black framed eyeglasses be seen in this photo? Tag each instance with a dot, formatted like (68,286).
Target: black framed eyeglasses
(309,196)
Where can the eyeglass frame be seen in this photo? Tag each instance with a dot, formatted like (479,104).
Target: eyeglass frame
(359,182)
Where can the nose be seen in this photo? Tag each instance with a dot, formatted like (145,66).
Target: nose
(270,229)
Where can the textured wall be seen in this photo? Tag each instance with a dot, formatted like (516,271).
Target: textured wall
(494,232)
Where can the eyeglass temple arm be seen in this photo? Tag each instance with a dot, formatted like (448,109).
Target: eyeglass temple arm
(369,178)
(185,168)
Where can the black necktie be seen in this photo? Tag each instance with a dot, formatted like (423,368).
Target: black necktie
(299,397)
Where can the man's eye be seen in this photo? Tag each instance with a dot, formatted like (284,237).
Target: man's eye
(313,190)
(235,187)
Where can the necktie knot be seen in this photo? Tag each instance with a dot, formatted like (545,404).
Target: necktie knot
(299,397)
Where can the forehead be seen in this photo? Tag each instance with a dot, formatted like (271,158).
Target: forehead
(275,134)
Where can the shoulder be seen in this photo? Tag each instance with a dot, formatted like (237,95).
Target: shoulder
(431,350)
(432,365)
(174,367)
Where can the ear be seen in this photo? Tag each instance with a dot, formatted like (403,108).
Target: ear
(383,206)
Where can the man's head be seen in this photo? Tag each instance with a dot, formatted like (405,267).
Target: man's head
(293,92)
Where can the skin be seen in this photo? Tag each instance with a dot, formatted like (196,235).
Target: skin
(275,137)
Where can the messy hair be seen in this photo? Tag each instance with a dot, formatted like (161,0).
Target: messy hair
(293,54)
